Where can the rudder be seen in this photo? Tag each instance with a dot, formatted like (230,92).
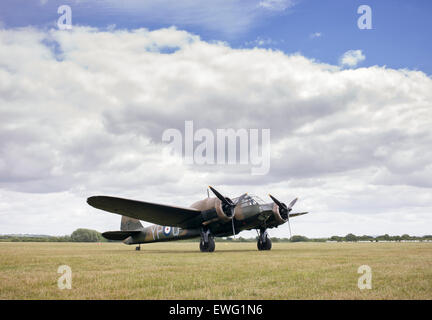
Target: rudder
(130,224)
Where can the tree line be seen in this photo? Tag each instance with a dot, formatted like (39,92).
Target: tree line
(88,235)
(348,238)
(79,235)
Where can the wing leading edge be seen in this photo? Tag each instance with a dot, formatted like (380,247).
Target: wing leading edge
(297,214)
(146,211)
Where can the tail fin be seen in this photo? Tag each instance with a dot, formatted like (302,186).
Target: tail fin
(130,224)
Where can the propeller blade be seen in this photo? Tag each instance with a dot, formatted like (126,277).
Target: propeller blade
(292,203)
(286,210)
(275,200)
(232,222)
(289,227)
(239,200)
(217,194)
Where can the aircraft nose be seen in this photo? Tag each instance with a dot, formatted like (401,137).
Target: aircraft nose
(266,207)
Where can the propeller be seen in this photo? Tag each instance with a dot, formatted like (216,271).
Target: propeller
(284,210)
(228,206)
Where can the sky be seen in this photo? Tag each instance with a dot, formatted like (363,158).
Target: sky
(83,110)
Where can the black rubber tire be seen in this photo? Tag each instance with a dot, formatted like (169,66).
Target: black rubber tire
(259,245)
(209,246)
(203,246)
(266,245)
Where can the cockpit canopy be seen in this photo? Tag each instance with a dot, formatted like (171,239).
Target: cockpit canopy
(249,200)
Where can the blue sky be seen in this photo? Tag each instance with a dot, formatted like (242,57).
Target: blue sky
(400,37)
(354,145)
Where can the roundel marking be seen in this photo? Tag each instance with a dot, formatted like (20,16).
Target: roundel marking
(167,231)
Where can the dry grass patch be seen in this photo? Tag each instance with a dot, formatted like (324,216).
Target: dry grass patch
(233,271)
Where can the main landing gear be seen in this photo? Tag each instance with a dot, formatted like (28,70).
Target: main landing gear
(207,243)
(264,241)
(138,248)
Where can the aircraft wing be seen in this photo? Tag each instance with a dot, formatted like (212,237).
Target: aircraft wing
(146,211)
(297,214)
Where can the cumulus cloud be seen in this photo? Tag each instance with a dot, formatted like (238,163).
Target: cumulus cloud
(351,58)
(83,112)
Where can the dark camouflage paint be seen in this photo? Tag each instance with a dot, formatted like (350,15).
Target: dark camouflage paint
(157,233)
(246,217)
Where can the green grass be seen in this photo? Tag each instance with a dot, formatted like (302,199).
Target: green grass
(176,270)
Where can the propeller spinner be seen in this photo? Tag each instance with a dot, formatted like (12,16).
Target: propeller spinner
(284,210)
(228,206)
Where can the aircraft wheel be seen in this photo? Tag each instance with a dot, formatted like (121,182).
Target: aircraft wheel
(202,246)
(267,244)
(259,245)
(209,246)
(264,245)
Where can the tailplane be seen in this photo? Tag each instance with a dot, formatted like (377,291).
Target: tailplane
(128,227)
(118,235)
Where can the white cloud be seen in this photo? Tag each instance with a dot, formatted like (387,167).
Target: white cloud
(227,16)
(260,41)
(351,58)
(315,35)
(83,113)
(276,5)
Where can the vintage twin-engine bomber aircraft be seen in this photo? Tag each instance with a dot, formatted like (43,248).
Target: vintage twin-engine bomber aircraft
(217,216)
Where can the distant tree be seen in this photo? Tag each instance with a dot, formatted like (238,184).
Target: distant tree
(384,237)
(350,237)
(298,238)
(86,235)
(336,238)
(365,238)
(318,239)
(406,237)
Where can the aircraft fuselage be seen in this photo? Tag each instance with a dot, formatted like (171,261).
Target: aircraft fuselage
(246,218)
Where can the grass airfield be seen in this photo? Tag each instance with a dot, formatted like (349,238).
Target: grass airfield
(178,270)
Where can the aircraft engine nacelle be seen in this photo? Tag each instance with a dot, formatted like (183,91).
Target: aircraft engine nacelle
(225,213)
(279,218)
(213,209)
